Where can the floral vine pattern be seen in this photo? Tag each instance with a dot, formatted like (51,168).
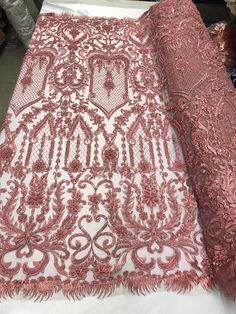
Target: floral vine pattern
(94,189)
(203,112)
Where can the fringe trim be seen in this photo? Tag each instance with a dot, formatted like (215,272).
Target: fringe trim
(43,289)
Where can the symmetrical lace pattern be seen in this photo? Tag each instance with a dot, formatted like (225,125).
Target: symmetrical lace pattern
(203,111)
(94,188)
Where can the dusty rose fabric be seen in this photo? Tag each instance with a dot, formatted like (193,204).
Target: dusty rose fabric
(204,113)
(94,188)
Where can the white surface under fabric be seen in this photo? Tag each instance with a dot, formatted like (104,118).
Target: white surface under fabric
(99,8)
(162,302)
(154,303)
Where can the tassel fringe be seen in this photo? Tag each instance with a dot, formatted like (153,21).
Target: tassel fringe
(136,283)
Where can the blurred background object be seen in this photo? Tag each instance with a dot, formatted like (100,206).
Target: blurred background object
(212,10)
(233,76)
(19,15)
(38,3)
(224,35)
(231,4)
(2,24)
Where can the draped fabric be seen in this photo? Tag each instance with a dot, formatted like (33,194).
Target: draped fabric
(95,192)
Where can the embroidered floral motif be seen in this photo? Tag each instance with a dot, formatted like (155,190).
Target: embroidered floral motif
(95,199)
(109,84)
(110,154)
(6,153)
(150,193)
(74,204)
(144,166)
(75,166)
(37,190)
(39,166)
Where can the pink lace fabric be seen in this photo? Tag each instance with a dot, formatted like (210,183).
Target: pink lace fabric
(95,192)
(203,112)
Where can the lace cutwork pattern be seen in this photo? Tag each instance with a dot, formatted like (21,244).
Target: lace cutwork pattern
(94,189)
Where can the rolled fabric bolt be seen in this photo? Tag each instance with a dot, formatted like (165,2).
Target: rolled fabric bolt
(203,109)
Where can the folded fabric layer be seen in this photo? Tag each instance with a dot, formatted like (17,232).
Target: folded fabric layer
(204,113)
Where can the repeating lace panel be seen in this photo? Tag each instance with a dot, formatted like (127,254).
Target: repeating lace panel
(94,188)
(204,113)
(32,81)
